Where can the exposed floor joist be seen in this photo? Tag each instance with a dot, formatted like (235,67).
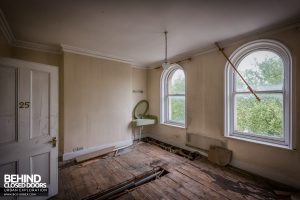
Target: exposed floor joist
(186,179)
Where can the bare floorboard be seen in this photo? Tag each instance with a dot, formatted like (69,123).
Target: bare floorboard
(186,179)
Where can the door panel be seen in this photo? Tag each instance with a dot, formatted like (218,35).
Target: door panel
(8,104)
(39,103)
(40,164)
(8,168)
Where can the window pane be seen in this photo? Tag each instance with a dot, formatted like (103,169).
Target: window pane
(263,118)
(176,82)
(177,109)
(263,70)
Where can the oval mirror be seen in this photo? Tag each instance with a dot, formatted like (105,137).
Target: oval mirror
(140,109)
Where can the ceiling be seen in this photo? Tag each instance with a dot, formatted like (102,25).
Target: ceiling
(132,30)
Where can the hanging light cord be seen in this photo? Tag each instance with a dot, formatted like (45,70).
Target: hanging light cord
(166,50)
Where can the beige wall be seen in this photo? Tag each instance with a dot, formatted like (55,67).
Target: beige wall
(139,83)
(205,113)
(36,56)
(97,101)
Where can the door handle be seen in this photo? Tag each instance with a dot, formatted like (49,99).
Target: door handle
(53,141)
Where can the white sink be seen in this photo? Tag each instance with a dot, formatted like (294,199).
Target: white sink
(143,122)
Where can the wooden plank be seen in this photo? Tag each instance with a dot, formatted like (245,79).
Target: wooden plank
(149,191)
(102,175)
(83,181)
(200,190)
(208,180)
(68,186)
(160,153)
(126,196)
(94,154)
(168,190)
(88,162)
(117,171)
(159,191)
(140,193)
(161,157)
(135,162)
(179,188)
(249,186)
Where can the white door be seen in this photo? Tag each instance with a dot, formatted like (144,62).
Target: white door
(29,121)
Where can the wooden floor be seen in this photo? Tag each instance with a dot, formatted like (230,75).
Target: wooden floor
(187,179)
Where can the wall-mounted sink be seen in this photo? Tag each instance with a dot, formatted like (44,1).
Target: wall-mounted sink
(143,122)
(139,116)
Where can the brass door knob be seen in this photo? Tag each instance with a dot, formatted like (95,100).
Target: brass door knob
(53,141)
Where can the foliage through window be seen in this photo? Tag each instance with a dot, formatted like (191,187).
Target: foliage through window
(265,65)
(173,96)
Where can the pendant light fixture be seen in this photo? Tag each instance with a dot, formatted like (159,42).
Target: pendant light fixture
(166,64)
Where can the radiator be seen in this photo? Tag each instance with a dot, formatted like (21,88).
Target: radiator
(203,142)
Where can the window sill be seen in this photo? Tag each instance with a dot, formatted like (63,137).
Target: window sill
(173,125)
(260,142)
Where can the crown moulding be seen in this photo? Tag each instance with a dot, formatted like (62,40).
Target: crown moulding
(56,49)
(60,48)
(11,39)
(97,54)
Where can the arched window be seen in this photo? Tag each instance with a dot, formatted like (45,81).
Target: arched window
(173,96)
(266,66)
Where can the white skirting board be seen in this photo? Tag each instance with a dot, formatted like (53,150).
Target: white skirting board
(118,145)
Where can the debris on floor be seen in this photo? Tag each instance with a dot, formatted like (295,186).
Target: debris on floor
(176,150)
(219,155)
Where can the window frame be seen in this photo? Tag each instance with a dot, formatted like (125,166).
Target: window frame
(236,57)
(164,97)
